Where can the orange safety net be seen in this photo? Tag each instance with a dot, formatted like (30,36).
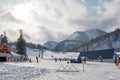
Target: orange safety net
(5,49)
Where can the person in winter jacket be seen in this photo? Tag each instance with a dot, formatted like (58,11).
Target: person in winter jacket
(101,58)
(37,59)
(118,62)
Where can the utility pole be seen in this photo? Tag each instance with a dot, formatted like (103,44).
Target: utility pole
(87,47)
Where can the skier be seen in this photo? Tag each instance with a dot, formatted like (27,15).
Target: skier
(37,59)
(55,59)
(30,60)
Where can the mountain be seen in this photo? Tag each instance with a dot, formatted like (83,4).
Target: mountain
(50,45)
(78,38)
(86,35)
(107,41)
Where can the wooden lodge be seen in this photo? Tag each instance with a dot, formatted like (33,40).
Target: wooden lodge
(6,54)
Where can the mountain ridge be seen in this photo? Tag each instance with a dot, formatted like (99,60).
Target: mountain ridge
(107,41)
(78,38)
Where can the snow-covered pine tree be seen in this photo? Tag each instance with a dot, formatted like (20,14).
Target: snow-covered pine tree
(21,46)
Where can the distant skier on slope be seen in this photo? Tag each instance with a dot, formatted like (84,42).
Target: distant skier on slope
(101,58)
(37,59)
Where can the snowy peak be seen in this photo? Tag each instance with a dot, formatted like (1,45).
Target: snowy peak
(86,36)
(78,36)
(50,45)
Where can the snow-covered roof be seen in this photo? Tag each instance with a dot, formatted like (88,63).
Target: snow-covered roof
(9,55)
(118,53)
(15,55)
(5,55)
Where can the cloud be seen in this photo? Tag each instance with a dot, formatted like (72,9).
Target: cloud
(60,12)
(12,35)
(105,17)
(111,15)
(13,2)
(8,17)
(47,34)
(32,32)
(68,16)
(56,19)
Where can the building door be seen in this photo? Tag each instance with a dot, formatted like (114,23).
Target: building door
(2,59)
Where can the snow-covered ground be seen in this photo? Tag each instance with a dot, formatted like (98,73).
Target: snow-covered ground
(48,69)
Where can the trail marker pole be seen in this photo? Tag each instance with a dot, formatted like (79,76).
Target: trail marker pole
(83,66)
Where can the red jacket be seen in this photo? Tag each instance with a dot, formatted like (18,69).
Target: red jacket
(118,62)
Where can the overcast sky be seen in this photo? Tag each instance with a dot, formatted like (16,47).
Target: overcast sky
(44,20)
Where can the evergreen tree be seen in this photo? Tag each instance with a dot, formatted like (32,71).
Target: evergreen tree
(21,46)
(4,39)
